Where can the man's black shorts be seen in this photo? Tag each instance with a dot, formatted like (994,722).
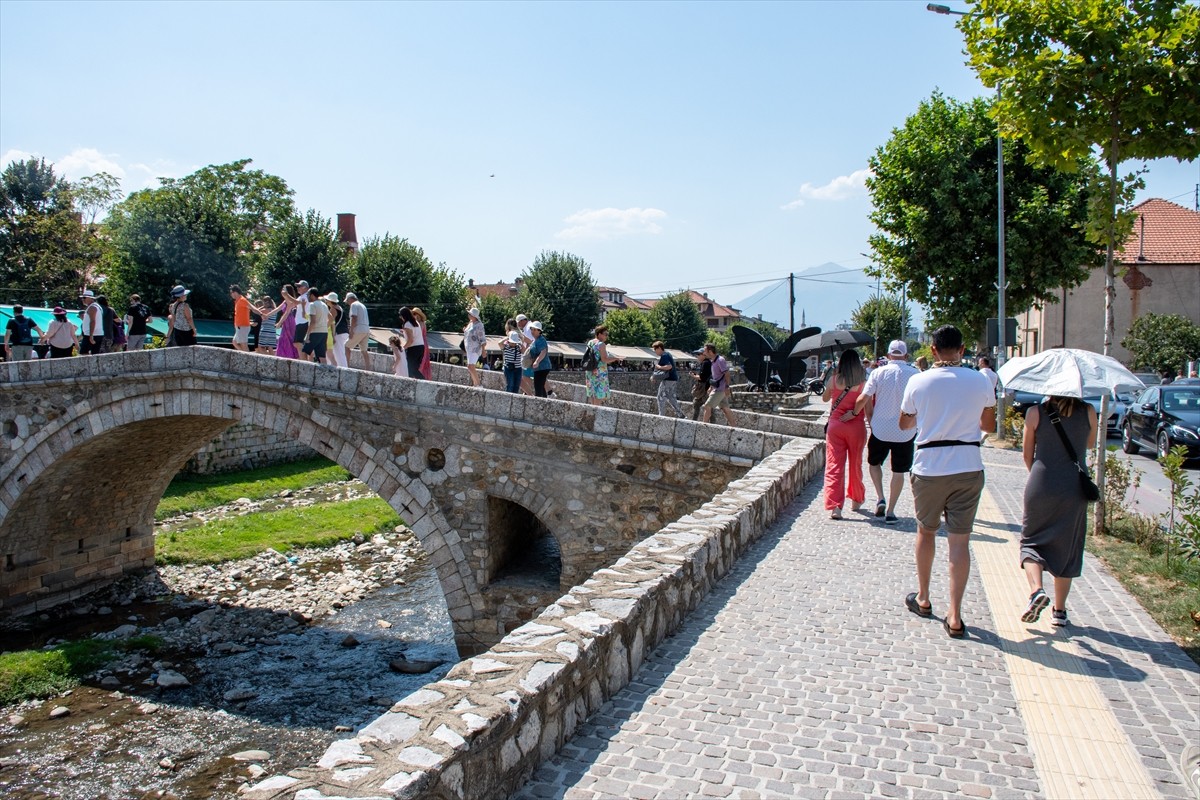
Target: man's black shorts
(902,453)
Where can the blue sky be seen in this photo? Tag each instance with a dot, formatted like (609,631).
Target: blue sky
(704,145)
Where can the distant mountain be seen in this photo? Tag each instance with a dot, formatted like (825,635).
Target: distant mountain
(825,297)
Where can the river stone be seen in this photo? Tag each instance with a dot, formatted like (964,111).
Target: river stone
(350,641)
(125,631)
(406,667)
(16,720)
(169,679)
(252,755)
(167,763)
(111,682)
(234,695)
(59,712)
(147,708)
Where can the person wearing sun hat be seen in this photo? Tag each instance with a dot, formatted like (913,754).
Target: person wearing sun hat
(474,341)
(60,335)
(880,403)
(181,326)
(91,324)
(512,357)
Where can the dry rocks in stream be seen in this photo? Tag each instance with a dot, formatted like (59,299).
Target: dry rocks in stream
(275,655)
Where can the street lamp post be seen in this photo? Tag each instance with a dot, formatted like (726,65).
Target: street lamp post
(1001,286)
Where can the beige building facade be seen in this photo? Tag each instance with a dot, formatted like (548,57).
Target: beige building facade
(1158,272)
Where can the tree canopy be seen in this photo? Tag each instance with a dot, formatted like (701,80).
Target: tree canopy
(893,318)
(1074,75)
(45,252)
(680,322)
(563,283)
(390,272)
(449,301)
(934,193)
(1162,342)
(631,327)
(303,248)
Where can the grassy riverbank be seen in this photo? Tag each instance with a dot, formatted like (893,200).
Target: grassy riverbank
(28,674)
(197,492)
(1169,589)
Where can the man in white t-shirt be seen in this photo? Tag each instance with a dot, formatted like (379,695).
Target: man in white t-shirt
(360,328)
(880,400)
(949,405)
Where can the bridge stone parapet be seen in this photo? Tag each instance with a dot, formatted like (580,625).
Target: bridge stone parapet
(482,730)
(88,445)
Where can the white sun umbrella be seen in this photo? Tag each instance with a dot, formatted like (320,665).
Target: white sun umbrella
(1067,372)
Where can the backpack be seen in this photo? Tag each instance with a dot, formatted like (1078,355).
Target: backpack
(23,335)
(591,358)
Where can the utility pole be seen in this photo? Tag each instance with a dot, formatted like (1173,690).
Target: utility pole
(792,302)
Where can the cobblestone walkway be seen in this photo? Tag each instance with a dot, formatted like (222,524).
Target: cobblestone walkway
(803,675)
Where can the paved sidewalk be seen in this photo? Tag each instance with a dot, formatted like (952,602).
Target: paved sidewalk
(802,675)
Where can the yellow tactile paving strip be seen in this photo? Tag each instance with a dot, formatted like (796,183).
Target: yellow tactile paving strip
(1078,746)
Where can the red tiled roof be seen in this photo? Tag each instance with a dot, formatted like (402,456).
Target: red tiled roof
(499,289)
(708,307)
(1164,233)
(607,289)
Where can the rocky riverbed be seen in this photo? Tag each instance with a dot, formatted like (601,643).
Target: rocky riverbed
(262,663)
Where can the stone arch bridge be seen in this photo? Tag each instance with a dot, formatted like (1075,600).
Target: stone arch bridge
(88,446)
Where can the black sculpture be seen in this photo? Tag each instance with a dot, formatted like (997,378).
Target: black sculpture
(769,368)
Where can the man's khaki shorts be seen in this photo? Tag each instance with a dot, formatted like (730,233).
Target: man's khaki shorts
(954,496)
(716,399)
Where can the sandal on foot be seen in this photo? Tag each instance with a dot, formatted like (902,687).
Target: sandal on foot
(955,633)
(1037,604)
(912,605)
(835,513)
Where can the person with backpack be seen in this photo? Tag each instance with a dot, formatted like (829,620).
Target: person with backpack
(595,366)
(108,318)
(137,314)
(18,336)
(718,386)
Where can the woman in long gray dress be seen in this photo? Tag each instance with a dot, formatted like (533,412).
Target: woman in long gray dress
(1054,525)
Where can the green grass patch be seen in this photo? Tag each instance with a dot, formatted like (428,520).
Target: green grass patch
(1169,590)
(30,674)
(198,492)
(319,525)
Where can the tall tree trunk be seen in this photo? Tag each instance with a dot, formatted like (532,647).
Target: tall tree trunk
(1110,294)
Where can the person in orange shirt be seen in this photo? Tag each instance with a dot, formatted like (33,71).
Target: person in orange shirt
(241,319)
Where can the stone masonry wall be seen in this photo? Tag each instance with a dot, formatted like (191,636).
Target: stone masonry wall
(484,728)
(245,446)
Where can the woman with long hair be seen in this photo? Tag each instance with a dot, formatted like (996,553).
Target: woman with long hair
(845,437)
(414,342)
(1055,521)
(285,346)
(268,333)
(426,369)
(180,324)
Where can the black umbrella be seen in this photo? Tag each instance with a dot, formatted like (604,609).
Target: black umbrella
(831,340)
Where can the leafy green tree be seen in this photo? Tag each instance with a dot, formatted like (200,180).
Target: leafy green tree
(303,248)
(45,253)
(95,194)
(447,309)
(680,321)
(631,327)
(1162,342)
(165,237)
(389,273)
(893,318)
(494,311)
(563,283)
(934,193)
(1076,75)
(252,202)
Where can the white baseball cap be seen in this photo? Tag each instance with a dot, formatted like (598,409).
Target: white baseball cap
(897,348)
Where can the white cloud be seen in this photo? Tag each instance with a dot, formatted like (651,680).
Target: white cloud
(84,161)
(840,188)
(606,223)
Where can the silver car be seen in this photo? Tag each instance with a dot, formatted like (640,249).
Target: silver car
(1118,404)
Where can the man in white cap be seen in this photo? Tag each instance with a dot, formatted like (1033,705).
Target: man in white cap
(91,327)
(300,337)
(475,342)
(526,329)
(880,399)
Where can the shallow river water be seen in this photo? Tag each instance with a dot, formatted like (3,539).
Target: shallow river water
(259,685)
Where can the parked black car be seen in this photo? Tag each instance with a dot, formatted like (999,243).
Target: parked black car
(1163,417)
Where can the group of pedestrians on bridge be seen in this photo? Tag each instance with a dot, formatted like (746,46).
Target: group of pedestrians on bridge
(930,425)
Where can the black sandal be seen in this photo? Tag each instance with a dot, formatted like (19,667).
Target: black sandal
(955,633)
(912,605)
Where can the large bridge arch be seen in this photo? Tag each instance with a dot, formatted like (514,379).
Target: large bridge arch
(89,443)
(80,495)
